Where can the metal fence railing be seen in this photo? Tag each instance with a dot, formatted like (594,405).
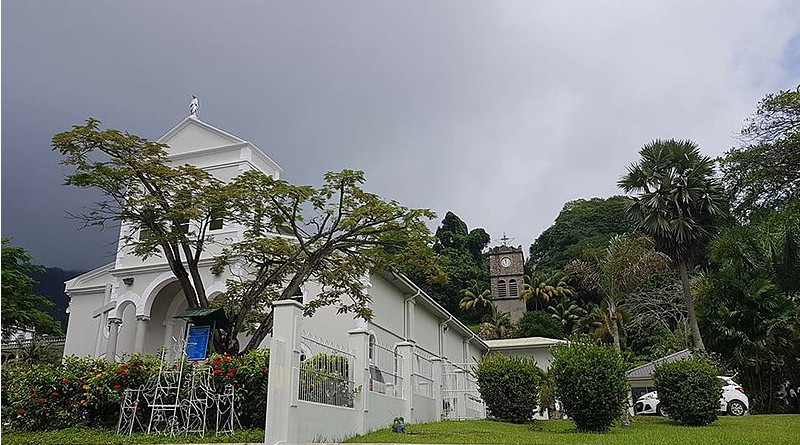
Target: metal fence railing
(422,375)
(326,373)
(385,370)
(462,400)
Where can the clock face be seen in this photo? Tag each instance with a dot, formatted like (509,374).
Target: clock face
(505,262)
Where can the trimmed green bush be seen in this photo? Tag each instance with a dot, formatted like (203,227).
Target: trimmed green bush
(509,386)
(590,383)
(538,324)
(689,390)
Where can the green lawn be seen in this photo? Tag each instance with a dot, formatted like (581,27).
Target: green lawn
(100,436)
(747,430)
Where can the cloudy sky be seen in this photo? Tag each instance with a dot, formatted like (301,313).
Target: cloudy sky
(500,111)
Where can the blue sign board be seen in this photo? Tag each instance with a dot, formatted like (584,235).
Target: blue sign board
(197,343)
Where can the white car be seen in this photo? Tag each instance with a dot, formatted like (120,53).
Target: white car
(733,400)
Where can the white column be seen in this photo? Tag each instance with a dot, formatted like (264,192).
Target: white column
(436,364)
(113,331)
(284,373)
(358,343)
(406,351)
(141,329)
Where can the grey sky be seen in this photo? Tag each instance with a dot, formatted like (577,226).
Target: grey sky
(498,111)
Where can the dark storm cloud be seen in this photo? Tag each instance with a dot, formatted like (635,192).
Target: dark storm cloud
(499,111)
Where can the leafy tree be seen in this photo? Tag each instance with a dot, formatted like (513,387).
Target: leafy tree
(154,200)
(538,324)
(582,227)
(751,304)
(628,261)
(679,203)
(764,173)
(22,308)
(459,253)
(334,235)
(543,286)
(476,295)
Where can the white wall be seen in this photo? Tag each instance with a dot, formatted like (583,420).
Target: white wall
(82,328)
(427,330)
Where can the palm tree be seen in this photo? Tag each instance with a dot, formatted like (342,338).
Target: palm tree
(567,312)
(476,295)
(678,203)
(497,326)
(542,286)
(627,262)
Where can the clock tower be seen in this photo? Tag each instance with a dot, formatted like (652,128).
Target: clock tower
(506,276)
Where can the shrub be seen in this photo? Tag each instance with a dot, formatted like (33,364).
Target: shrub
(689,390)
(538,324)
(509,386)
(87,391)
(249,375)
(590,382)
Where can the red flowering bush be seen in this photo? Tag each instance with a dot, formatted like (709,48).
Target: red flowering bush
(248,375)
(88,391)
(79,391)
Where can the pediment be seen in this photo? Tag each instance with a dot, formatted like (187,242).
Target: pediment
(192,134)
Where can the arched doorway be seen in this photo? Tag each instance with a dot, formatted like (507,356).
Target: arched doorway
(163,329)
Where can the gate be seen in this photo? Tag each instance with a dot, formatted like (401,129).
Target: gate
(461,399)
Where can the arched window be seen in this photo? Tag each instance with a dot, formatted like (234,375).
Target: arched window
(502,289)
(512,288)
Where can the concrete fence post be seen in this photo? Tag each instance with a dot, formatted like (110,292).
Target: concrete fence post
(358,343)
(436,364)
(284,373)
(406,351)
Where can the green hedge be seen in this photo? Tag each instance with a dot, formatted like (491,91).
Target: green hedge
(591,383)
(86,391)
(689,390)
(509,386)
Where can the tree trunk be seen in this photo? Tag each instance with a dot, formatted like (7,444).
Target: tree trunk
(687,298)
(612,311)
(261,333)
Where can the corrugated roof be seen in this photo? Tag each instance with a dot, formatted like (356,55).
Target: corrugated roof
(525,342)
(646,371)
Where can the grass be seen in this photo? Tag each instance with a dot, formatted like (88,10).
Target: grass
(747,430)
(96,436)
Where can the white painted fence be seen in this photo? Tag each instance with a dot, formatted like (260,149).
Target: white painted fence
(319,391)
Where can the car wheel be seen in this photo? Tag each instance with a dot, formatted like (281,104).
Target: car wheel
(736,408)
(660,411)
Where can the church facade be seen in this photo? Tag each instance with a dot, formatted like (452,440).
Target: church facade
(130,305)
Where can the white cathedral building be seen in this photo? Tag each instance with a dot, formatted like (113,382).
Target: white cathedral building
(130,305)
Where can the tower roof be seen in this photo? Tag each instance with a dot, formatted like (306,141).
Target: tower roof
(505,249)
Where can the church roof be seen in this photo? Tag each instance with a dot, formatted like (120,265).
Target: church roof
(519,343)
(646,371)
(213,138)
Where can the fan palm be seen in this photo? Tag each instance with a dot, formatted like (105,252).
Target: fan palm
(497,326)
(476,295)
(627,262)
(678,202)
(567,312)
(541,287)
